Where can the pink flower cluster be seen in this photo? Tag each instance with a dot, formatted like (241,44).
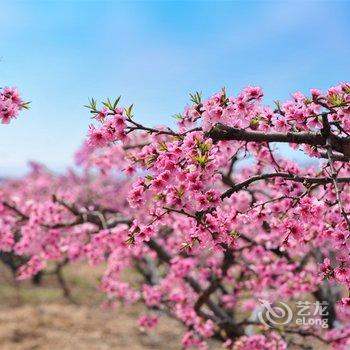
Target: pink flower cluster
(259,342)
(113,127)
(10,104)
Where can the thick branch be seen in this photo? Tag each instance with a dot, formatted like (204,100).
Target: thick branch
(222,132)
(296,178)
(226,133)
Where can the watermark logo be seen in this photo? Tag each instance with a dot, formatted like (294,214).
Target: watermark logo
(275,315)
(305,314)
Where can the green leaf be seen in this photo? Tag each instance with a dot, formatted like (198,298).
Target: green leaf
(92,105)
(128,111)
(25,105)
(178,116)
(196,97)
(116,102)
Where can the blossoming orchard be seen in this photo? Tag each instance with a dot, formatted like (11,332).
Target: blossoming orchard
(213,215)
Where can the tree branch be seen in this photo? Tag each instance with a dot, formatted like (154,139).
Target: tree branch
(296,178)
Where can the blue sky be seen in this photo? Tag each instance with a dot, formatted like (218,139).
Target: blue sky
(59,53)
